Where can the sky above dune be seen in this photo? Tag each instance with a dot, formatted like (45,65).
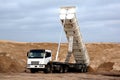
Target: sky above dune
(38,20)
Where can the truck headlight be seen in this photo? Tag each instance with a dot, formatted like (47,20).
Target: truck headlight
(40,65)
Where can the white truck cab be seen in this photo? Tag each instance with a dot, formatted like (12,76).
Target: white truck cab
(37,59)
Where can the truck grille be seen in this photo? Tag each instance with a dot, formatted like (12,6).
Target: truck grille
(35,63)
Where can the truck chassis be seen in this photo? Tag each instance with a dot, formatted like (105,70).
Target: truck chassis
(61,67)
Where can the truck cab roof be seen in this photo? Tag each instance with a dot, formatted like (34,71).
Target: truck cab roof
(41,50)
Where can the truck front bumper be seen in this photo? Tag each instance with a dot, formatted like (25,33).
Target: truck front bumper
(36,66)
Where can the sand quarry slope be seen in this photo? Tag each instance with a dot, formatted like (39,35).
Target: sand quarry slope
(103,56)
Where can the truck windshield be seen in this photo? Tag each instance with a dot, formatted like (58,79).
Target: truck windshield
(36,54)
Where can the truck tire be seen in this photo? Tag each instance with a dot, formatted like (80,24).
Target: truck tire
(84,68)
(48,69)
(32,70)
(61,69)
(65,69)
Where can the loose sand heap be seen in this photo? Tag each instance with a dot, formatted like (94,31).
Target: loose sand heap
(103,56)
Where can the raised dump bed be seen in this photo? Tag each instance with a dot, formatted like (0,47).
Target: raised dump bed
(72,31)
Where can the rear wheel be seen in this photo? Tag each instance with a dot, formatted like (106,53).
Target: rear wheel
(65,69)
(84,68)
(61,69)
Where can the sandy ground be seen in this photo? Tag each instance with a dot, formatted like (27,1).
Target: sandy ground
(65,76)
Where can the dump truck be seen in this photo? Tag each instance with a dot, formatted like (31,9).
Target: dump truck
(41,59)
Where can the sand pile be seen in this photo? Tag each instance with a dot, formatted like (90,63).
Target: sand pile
(10,64)
(103,56)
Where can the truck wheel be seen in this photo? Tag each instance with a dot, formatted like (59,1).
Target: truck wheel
(32,70)
(85,69)
(65,70)
(61,69)
(48,69)
(82,70)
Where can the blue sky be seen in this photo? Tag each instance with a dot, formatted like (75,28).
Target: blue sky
(38,20)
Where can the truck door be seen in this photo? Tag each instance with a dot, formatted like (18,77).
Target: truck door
(47,57)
